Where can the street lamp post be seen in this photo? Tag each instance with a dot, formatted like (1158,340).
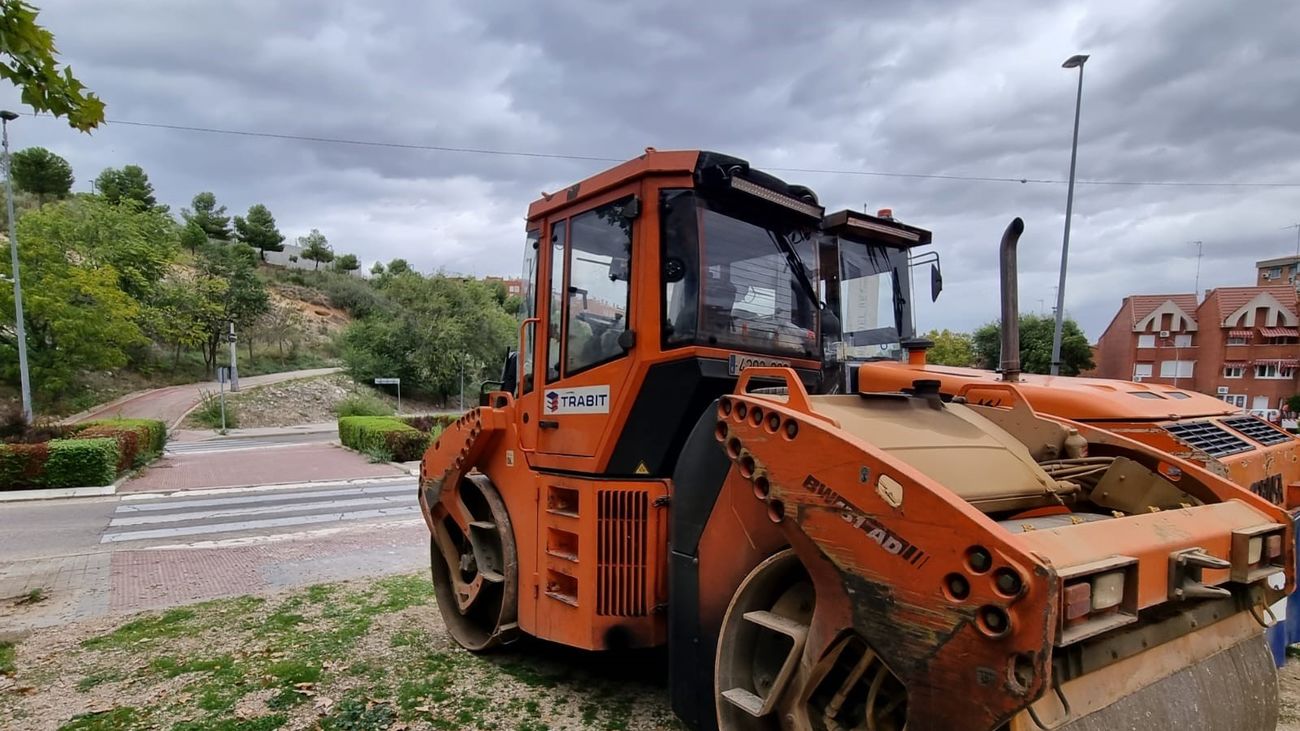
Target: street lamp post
(20,329)
(1070,63)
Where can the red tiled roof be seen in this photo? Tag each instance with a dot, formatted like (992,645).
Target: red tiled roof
(1141,305)
(1231,299)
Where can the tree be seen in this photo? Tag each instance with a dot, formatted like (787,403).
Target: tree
(137,245)
(425,330)
(377,268)
(347,263)
(280,324)
(28,60)
(245,297)
(42,173)
(193,237)
(398,266)
(258,230)
(129,183)
(189,306)
(77,316)
(316,248)
(1036,345)
(951,348)
(210,217)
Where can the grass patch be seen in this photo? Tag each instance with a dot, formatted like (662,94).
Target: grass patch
(208,412)
(8,658)
(117,719)
(264,723)
(170,623)
(35,596)
(362,404)
(99,677)
(356,714)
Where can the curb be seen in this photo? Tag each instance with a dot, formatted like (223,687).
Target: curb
(52,493)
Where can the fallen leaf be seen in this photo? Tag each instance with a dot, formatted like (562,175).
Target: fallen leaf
(323,704)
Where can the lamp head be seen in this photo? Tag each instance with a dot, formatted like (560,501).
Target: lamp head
(1075,61)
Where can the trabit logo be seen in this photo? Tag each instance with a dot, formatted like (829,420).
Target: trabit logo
(552,401)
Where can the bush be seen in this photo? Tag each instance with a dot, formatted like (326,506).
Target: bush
(139,440)
(21,465)
(81,463)
(208,412)
(378,434)
(362,405)
(356,296)
(432,423)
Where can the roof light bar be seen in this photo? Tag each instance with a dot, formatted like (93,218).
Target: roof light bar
(771,196)
(887,230)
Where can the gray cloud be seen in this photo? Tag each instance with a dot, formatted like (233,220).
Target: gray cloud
(1173,92)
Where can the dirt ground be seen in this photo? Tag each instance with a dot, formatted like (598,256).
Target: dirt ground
(302,401)
(361,656)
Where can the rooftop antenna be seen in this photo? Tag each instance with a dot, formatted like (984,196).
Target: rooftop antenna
(1196,288)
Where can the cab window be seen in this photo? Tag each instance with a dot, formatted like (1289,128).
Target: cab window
(554,316)
(600,263)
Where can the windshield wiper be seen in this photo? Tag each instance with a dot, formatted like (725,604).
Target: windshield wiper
(796,265)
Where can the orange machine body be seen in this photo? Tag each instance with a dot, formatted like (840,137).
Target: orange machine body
(1244,448)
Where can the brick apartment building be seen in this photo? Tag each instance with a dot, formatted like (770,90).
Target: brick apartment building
(1240,344)
(1276,271)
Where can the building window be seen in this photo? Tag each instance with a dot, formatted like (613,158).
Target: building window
(1236,399)
(1234,371)
(1141,370)
(1275,273)
(1274,371)
(1176,368)
(1183,340)
(1284,340)
(1146,341)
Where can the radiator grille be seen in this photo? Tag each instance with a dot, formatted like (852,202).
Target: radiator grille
(1208,437)
(1257,429)
(621,553)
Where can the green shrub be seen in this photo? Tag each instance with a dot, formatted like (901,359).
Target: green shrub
(431,422)
(155,431)
(362,405)
(208,412)
(139,441)
(21,465)
(81,463)
(378,434)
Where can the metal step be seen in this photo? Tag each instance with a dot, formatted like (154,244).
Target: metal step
(745,701)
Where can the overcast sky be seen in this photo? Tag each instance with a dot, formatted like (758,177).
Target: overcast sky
(1204,92)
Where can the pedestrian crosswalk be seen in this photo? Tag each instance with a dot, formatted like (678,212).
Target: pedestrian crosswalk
(261,511)
(258,442)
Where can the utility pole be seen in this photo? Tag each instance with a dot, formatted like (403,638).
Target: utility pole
(1070,63)
(234,365)
(20,327)
(462,382)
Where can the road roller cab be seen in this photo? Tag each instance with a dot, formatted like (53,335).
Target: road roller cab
(668,464)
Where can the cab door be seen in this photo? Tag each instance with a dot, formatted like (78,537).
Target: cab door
(588,340)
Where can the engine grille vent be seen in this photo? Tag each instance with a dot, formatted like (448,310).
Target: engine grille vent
(1257,429)
(621,553)
(1208,437)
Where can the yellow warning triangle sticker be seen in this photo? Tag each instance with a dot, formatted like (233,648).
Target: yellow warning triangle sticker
(641,469)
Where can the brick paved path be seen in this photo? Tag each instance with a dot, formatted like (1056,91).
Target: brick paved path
(264,465)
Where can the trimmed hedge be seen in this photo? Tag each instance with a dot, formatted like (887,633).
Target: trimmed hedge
(59,463)
(21,465)
(140,441)
(383,434)
(433,423)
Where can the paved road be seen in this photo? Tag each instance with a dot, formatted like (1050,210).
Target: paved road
(170,404)
(96,556)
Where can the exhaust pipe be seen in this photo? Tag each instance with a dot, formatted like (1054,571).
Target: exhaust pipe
(1010,365)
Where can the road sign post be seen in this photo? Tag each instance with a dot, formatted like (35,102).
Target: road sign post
(392,382)
(222,373)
